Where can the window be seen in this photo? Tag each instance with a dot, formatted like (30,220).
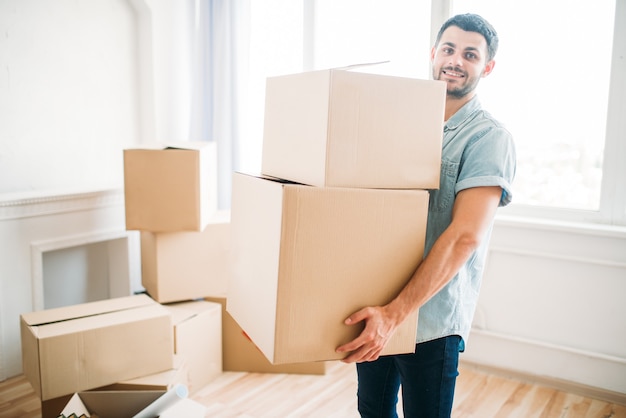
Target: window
(551,87)
(275,47)
(557,83)
(360,31)
(289,37)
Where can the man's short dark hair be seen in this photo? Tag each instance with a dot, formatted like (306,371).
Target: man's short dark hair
(470,22)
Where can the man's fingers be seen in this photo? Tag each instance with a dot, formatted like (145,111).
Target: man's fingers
(362,355)
(358,316)
(353,345)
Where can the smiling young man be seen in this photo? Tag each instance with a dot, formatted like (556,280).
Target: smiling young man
(478,166)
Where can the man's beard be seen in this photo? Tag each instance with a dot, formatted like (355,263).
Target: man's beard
(462,91)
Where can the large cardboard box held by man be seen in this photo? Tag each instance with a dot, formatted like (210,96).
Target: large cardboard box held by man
(305,258)
(348,128)
(85,346)
(179,266)
(170,187)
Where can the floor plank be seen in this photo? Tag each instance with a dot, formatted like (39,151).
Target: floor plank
(333,395)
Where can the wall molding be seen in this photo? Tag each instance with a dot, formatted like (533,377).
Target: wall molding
(594,374)
(556,256)
(44,204)
(558,384)
(595,229)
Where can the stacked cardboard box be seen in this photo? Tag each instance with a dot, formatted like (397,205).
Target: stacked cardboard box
(129,344)
(170,188)
(185,250)
(171,199)
(336,221)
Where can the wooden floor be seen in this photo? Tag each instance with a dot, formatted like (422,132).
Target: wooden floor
(246,395)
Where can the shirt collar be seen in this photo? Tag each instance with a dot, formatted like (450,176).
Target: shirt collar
(462,114)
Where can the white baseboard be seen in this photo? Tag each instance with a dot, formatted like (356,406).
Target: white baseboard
(592,374)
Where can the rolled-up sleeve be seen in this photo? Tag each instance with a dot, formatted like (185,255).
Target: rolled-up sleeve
(489,160)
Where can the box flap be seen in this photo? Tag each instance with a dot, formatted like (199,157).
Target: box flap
(356,66)
(126,404)
(270,178)
(156,381)
(75,406)
(86,309)
(185,145)
(112,404)
(184,311)
(188,145)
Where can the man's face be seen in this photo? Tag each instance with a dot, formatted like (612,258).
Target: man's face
(460,59)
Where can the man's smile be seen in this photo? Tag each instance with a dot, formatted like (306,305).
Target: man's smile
(452,73)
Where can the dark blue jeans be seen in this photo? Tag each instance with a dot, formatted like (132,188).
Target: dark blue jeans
(427,378)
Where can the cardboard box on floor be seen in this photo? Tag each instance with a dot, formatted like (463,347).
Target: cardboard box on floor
(85,346)
(198,338)
(161,381)
(305,258)
(128,404)
(346,128)
(178,375)
(170,188)
(178,266)
(240,354)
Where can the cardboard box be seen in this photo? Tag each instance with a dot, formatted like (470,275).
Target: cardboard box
(178,266)
(161,381)
(240,354)
(198,338)
(127,404)
(305,258)
(346,128)
(177,375)
(171,187)
(52,408)
(81,347)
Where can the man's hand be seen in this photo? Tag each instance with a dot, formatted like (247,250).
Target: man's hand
(379,326)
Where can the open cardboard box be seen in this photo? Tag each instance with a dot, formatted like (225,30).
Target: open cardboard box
(161,381)
(133,403)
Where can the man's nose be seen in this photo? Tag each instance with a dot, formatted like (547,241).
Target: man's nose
(455,60)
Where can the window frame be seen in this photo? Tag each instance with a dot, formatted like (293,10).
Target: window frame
(612,210)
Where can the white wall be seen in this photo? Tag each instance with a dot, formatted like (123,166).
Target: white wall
(552,303)
(79,81)
(68,95)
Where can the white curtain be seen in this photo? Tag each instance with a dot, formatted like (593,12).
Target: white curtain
(219,70)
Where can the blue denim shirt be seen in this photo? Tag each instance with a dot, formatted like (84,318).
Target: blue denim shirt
(477,151)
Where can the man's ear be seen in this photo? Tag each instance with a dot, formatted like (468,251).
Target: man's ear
(489,68)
